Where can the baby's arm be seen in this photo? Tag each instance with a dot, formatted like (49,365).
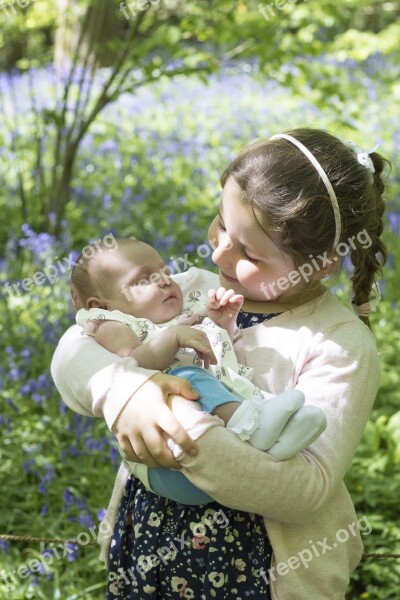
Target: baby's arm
(223,307)
(158,353)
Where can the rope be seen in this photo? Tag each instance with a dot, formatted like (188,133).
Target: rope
(26,538)
(382,555)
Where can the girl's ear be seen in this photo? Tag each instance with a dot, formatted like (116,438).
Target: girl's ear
(328,265)
(94,302)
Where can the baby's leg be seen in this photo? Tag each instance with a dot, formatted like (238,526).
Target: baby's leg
(260,420)
(303,428)
(214,398)
(277,424)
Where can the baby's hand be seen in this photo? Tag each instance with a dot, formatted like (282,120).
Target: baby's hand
(188,337)
(223,307)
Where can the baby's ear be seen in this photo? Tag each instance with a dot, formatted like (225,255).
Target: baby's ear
(94,302)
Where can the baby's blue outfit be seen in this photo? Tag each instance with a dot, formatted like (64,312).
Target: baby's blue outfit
(173,484)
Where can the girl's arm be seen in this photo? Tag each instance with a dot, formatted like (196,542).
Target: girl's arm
(92,381)
(293,491)
(158,353)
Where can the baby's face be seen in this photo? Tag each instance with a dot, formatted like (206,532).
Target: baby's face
(140,284)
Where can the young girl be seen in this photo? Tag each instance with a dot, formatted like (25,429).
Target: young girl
(291,208)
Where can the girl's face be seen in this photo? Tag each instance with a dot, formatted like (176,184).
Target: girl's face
(249,260)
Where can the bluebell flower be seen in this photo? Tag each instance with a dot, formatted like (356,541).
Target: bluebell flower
(394,220)
(85,520)
(101,514)
(72,555)
(42,489)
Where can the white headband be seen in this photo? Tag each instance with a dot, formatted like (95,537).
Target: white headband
(324,177)
(362,156)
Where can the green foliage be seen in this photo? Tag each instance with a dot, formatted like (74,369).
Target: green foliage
(374,479)
(148,166)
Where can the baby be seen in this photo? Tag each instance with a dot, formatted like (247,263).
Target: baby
(127,301)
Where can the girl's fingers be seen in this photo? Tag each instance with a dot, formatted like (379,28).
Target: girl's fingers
(174,429)
(156,444)
(127,449)
(203,349)
(135,449)
(179,386)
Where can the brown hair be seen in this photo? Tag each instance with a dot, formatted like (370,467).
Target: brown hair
(87,277)
(287,194)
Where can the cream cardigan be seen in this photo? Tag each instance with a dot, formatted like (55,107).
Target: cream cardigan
(321,348)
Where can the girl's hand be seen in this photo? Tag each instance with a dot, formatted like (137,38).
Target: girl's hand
(188,337)
(140,425)
(223,307)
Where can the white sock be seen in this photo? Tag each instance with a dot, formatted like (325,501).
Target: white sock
(261,423)
(304,427)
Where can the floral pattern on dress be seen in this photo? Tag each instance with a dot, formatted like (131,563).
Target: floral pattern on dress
(162,550)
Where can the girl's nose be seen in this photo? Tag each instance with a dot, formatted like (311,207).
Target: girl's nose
(221,252)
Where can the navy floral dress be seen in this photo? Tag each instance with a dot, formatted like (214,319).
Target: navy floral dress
(162,550)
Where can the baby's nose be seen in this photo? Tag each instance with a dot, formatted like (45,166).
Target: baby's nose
(165,280)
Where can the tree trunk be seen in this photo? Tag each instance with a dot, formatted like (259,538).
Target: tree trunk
(102,26)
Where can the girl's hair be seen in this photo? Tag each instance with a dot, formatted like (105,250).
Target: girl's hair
(287,194)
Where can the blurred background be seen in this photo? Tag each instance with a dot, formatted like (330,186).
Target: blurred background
(119,117)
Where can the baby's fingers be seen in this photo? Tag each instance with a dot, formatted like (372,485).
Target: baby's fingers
(212,295)
(226,296)
(212,299)
(220,293)
(237,299)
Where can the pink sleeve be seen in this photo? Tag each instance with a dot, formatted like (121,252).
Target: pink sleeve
(93,381)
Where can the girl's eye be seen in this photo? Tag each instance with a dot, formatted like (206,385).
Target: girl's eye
(247,257)
(220,224)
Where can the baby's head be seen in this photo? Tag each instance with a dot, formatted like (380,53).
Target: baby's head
(130,277)
(285,192)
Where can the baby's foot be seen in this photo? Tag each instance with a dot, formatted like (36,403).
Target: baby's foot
(263,429)
(302,430)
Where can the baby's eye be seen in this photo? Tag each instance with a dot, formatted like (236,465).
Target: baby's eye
(144,280)
(247,257)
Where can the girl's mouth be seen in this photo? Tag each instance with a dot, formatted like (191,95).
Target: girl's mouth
(231,279)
